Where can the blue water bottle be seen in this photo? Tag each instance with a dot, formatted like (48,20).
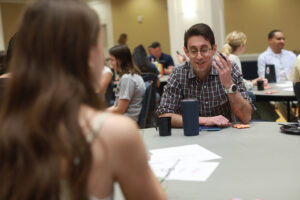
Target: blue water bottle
(190,116)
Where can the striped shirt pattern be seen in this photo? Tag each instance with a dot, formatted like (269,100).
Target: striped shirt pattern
(210,93)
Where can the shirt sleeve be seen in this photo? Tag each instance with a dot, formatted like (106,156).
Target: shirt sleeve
(170,100)
(106,70)
(127,88)
(170,61)
(292,59)
(261,65)
(238,80)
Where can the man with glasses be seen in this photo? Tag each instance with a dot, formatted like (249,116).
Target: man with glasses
(213,81)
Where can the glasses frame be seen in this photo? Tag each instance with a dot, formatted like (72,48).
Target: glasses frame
(202,52)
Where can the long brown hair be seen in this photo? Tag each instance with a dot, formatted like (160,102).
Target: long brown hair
(123,55)
(41,141)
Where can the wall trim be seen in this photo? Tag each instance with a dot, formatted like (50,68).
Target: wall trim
(249,57)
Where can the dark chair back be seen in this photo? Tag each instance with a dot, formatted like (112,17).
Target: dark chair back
(297,93)
(109,93)
(249,69)
(143,117)
(151,77)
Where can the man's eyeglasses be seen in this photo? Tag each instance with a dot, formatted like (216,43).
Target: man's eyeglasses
(204,52)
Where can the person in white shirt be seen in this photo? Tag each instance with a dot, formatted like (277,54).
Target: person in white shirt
(282,59)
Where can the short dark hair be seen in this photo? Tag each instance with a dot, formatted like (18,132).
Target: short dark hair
(200,30)
(272,33)
(155,45)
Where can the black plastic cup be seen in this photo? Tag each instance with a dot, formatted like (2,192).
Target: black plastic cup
(164,124)
(260,85)
(190,117)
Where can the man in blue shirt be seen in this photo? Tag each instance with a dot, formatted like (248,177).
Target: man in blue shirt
(165,59)
(283,60)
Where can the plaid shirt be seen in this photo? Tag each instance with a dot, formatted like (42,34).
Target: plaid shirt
(210,93)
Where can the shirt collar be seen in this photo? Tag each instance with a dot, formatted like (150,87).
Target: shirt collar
(272,52)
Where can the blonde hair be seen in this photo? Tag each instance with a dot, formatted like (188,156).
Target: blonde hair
(233,41)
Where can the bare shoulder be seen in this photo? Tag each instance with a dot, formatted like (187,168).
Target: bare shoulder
(118,130)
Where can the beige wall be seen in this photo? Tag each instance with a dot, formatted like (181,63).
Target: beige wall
(254,17)
(257,17)
(11,14)
(153,28)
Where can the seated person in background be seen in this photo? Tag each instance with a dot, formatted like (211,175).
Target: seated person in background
(140,59)
(123,39)
(165,59)
(276,55)
(282,59)
(55,143)
(215,83)
(236,45)
(131,86)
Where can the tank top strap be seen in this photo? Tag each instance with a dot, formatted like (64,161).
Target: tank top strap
(96,126)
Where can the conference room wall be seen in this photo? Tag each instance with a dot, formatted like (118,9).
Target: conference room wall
(154,26)
(257,17)
(254,17)
(11,15)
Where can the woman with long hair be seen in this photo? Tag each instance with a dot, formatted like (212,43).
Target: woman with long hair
(140,59)
(55,142)
(131,86)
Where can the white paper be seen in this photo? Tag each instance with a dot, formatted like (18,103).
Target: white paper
(284,84)
(288,89)
(183,163)
(185,171)
(193,151)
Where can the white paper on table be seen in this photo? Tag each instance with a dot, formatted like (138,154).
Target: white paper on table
(285,84)
(185,170)
(186,152)
(289,89)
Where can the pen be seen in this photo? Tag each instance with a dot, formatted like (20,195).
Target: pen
(222,56)
(169,171)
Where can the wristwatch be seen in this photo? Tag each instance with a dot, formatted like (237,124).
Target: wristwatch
(231,89)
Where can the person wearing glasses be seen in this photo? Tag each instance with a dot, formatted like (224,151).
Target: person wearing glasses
(208,77)
(56,141)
